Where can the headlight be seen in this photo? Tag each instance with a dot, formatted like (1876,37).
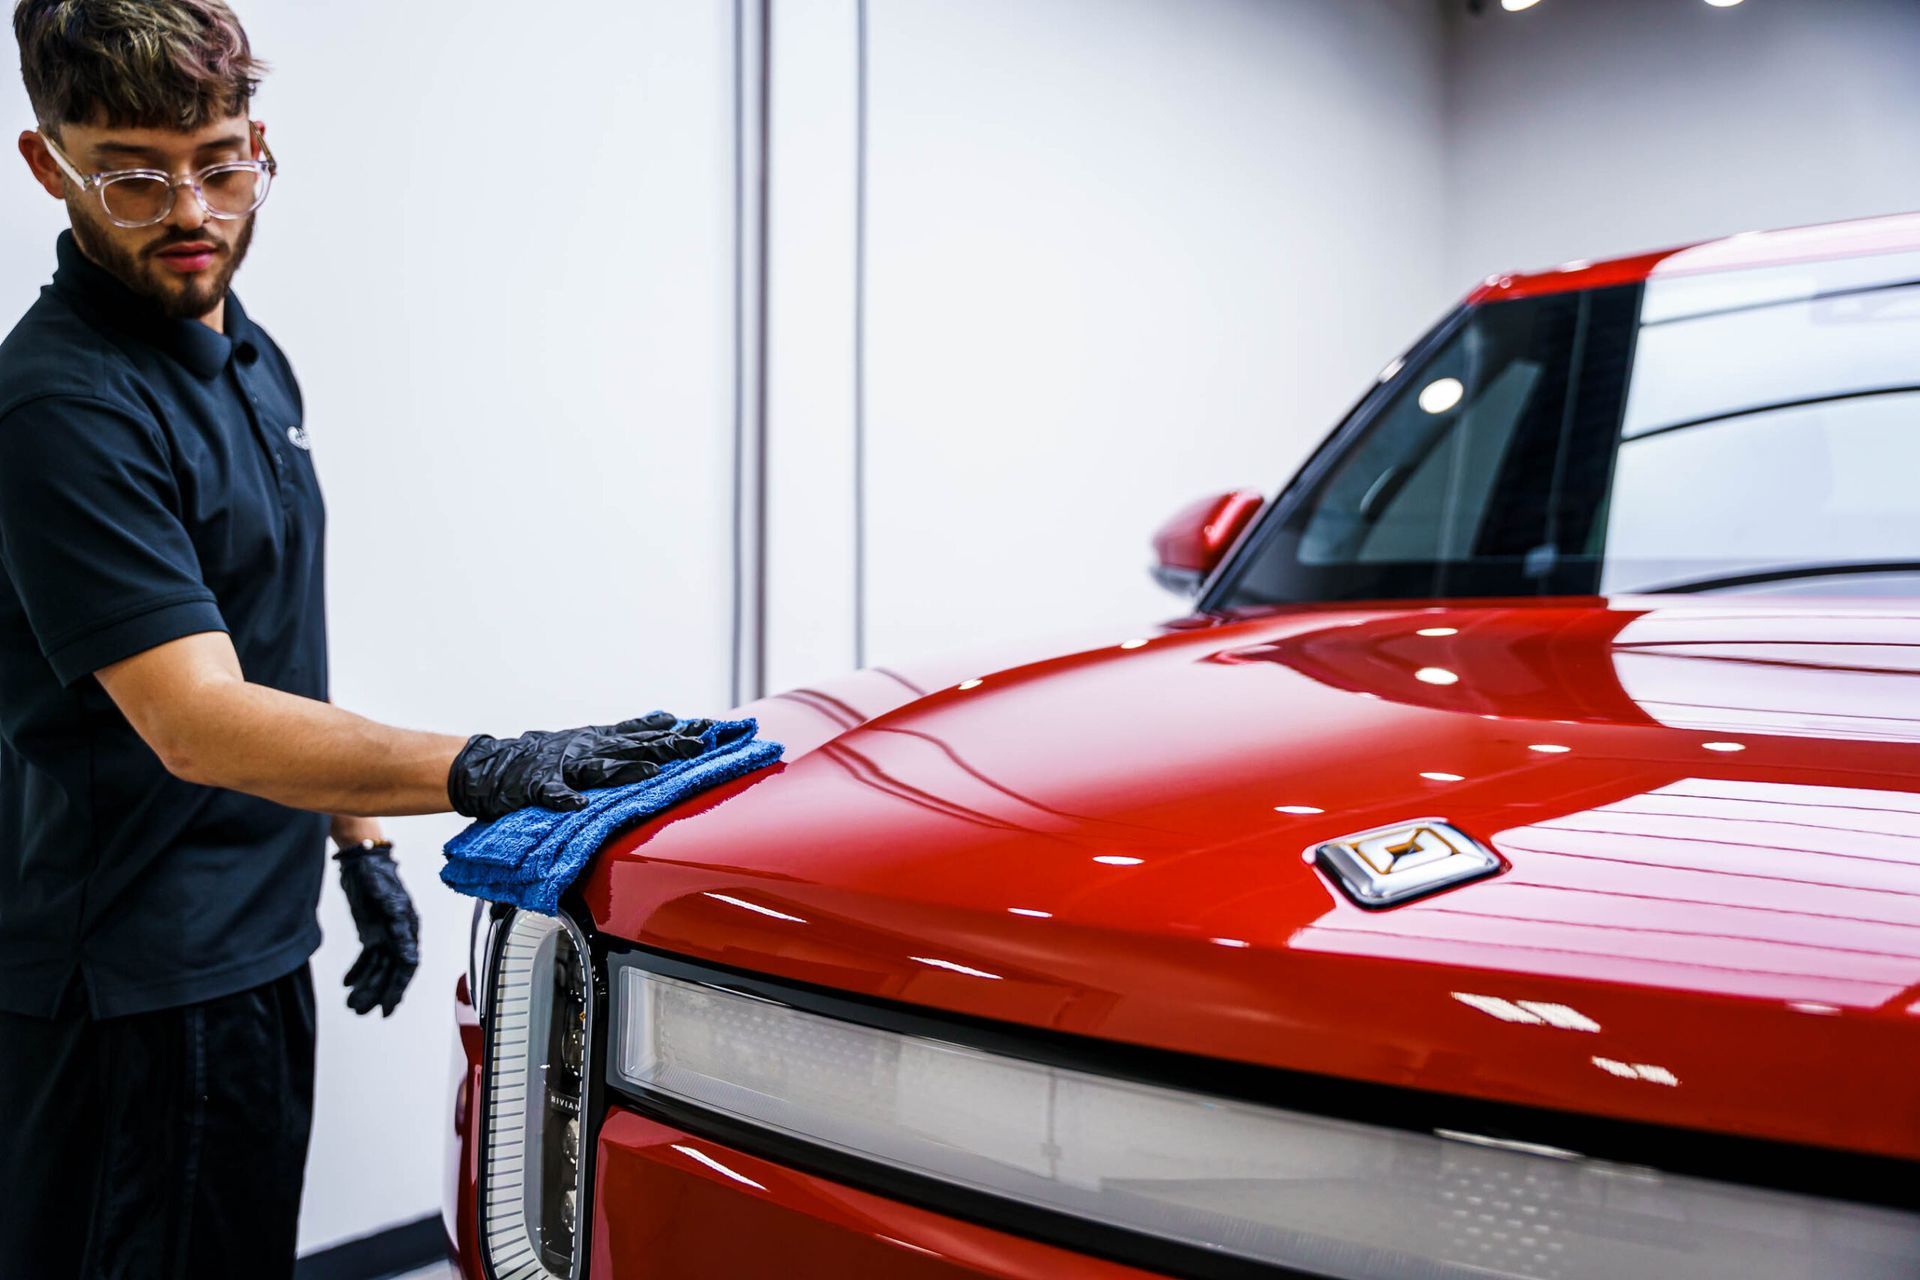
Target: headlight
(1219,1182)
(538,1027)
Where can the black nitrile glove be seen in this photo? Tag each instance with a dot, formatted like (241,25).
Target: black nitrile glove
(389,929)
(492,777)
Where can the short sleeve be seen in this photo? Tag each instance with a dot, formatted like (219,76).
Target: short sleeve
(91,535)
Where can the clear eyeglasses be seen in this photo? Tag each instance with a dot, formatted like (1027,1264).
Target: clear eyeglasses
(142,197)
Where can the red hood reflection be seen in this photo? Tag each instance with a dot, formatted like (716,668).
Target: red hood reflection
(1711,915)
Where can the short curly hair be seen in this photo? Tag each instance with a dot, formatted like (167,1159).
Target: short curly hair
(170,64)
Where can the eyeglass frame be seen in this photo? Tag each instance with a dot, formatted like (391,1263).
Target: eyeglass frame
(99,182)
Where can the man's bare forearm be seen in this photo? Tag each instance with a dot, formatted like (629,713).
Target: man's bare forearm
(310,755)
(190,702)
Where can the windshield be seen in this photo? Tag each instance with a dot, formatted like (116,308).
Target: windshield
(1754,433)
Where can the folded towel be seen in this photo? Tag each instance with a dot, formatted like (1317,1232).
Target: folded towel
(529,857)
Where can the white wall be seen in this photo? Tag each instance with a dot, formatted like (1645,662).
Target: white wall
(1582,129)
(1123,253)
(500,258)
(812,175)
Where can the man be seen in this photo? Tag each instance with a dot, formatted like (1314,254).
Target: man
(168,757)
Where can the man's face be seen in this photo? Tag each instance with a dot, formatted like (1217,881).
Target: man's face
(185,261)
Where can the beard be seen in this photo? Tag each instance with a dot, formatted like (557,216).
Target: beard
(178,297)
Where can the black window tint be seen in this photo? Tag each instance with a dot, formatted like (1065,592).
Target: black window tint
(1484,475)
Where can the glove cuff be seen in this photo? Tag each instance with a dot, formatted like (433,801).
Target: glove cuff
(460,776)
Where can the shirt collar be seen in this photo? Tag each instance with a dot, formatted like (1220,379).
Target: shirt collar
(110,303)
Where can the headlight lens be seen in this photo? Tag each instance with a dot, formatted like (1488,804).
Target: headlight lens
(1324,1196)
(537,1034)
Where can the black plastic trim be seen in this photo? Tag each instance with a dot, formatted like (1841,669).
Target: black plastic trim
(395,1251)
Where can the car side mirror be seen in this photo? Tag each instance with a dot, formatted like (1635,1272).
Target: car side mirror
(1191,545)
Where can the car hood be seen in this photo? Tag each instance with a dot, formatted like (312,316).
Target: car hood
(1709,816)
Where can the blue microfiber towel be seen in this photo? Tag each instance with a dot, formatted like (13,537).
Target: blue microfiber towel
(530,856)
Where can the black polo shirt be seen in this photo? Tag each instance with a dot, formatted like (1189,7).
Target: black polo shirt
(155,482)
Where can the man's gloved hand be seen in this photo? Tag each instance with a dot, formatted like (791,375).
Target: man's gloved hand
(494,776)
(389,929)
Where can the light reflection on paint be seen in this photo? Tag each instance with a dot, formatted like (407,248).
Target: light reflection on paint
(1637,1071)
(694,1153)
(954,966)
(1531,1013)
(744,905)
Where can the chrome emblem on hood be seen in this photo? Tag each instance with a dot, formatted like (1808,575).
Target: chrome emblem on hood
(1386,866)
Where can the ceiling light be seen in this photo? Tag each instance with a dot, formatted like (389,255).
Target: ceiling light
(1441,394)
(1515,6)
(1723,4)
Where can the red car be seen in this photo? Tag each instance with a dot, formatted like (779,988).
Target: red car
(1511,866)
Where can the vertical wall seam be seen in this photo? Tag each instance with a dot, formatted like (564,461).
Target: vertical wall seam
(762,238)
(735,682)
(860,337)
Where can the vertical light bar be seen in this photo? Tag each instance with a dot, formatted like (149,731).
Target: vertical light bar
(537,1037)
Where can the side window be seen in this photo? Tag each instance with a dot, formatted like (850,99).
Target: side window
(1483,475)
(1431,502)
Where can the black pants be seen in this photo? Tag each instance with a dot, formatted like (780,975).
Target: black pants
(156,1146)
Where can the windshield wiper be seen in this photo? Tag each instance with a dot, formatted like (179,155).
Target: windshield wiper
(1836,569)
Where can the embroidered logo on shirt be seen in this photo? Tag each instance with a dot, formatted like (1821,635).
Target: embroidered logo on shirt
(298,434)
